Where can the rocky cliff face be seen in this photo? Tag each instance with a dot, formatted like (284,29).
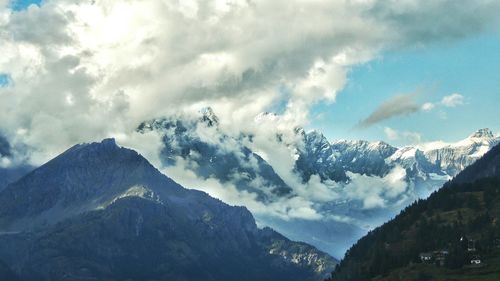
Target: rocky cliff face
(102,212)
(332,160)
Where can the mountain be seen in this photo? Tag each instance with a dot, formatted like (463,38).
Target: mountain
(341,170)
(397,176)
(452,235)
(102,212)
(213,154)
(453,158)
(427,166)
(11,174)
(332,161)
(486,166)
(6,273)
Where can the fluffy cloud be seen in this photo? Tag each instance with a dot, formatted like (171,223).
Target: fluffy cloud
(452,100)
(376,192)
(86,70)
(428,106)
(394,135)
(285,208)
(391,134)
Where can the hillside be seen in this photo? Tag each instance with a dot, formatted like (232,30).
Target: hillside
(441,238)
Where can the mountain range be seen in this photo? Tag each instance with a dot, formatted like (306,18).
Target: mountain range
(100,211)
(351,186)
(328,193)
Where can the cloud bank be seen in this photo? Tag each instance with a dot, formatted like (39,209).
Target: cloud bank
(81,71)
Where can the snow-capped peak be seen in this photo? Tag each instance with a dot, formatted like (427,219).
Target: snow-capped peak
(266,116)
(209,116)
(482,134)
(454,157)
(406,152)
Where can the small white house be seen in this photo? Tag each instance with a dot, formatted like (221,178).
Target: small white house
(475,260)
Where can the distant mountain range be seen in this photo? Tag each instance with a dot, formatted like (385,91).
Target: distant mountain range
(424,164)
(102,212)
(341,168)
(452,235)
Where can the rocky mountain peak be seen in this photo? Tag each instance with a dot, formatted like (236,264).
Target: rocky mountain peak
(316,137)
(264,116)
(209,116)
(84,177)
(482,133)
(91,155)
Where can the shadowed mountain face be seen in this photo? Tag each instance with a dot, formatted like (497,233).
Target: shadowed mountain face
(487,166)
(102,212)
(10,175)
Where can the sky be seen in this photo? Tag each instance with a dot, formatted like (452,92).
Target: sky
(469,67)
(401,71)
(19,5)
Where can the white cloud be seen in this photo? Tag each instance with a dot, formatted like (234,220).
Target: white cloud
(428,106)
(406,136)
(377,192)
(453,100)
(87,70)
(391,134)
(286,208)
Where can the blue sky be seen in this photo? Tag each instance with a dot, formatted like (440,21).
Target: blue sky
(470,67)
(4,79)
(21,4)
